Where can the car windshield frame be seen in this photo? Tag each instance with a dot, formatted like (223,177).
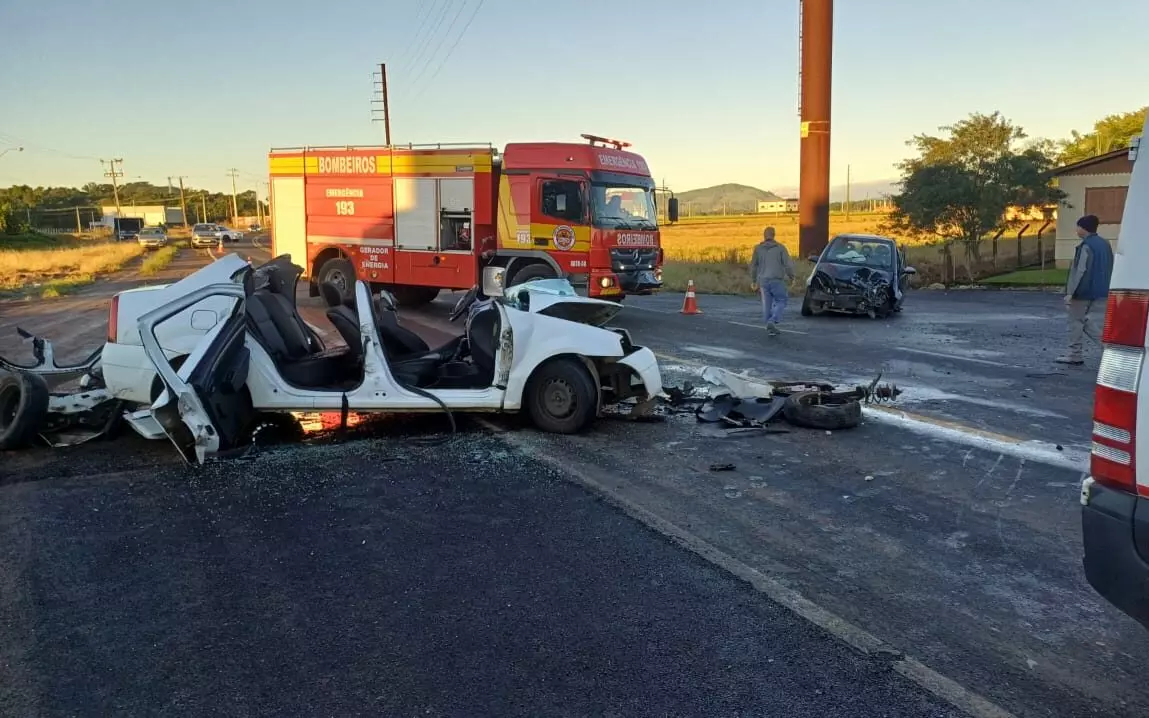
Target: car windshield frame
(860,259)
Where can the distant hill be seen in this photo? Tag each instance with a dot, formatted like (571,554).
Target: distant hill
(738,198)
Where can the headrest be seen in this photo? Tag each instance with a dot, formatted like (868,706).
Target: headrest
(331,294)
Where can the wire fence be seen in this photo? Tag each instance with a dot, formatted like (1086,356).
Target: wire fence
(956,261)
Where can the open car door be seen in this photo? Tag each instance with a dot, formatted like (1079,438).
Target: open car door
(206,407)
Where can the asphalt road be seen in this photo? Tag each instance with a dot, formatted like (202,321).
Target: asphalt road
(961,549)
(352,580)
(949,532)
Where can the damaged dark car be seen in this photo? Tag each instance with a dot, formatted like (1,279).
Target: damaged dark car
(858,274)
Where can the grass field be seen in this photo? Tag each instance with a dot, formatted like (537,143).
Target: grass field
(715,251)
(158,260)
(57,265)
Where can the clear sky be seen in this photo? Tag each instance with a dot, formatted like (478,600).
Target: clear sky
(706,91)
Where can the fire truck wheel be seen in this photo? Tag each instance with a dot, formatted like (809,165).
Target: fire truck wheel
(409,297)
(532,271)
(341,273)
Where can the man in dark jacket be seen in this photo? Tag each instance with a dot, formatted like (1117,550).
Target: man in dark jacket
(1088,285)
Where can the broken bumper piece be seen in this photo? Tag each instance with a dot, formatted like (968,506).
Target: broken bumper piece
(45,365)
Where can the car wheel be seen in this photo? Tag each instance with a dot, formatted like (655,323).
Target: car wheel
(807,306)
(822,410)
(23,408)
(532,271)
(561,397)
(341,273)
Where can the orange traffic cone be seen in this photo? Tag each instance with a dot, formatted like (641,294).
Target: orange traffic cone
(690,302)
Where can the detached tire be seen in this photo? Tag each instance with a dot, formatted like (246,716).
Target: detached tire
(822,410)
(23,408)
(561,397)
(341,273)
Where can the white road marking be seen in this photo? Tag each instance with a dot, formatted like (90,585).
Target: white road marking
(920,394)
(1074,459)
(728,321)
(958,357)
(763,327)
(1041,452)
(852,635)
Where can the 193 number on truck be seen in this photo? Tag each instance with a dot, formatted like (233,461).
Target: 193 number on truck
(345,208)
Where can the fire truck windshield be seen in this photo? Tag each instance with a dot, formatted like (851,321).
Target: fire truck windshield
(623,207)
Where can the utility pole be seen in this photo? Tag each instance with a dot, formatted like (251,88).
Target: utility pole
(114,175)
(79,225)
(847,193)
(233,172)
(382,114)
(258,207)
(816,43)
(203,205)
(183,202)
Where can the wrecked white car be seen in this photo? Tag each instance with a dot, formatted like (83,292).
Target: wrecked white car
(216,352)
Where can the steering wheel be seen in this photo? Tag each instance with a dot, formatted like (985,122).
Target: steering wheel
(465,303)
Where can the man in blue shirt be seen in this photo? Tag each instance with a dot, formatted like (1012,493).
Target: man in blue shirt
(1088,285)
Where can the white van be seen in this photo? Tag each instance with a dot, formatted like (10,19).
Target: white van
(1115,497)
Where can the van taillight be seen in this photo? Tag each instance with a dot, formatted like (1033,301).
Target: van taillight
(113,324)
(1114,459)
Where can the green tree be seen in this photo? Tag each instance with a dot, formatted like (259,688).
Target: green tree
(1111,132)
(960,184)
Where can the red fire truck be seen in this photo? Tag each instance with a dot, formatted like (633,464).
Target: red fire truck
(417,219)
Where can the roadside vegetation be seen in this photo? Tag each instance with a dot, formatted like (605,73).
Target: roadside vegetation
(55,265)
(715,251)
(159,260)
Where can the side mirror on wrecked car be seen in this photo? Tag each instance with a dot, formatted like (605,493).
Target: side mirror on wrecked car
(813,258)
(909,270)
(493,281)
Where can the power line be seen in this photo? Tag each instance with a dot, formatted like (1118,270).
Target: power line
(427,58)
(422,24)
(443,39)
(36,146)
(446,57)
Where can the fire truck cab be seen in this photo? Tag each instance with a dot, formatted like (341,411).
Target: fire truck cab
(421,218)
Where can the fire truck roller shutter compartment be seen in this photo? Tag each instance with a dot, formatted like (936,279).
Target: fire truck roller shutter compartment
(416,213)
(289,218)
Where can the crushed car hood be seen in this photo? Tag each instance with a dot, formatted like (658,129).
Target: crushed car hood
(583,310)
(557,298)
(849,272)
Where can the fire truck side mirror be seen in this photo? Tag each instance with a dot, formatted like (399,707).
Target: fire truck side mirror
(672,210)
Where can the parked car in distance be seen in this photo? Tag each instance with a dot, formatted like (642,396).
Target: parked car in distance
(208,234)
(254,227)
(152,237)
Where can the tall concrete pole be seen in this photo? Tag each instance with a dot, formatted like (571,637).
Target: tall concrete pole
(817,43)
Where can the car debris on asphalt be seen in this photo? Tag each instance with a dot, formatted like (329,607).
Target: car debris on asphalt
(745,404)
